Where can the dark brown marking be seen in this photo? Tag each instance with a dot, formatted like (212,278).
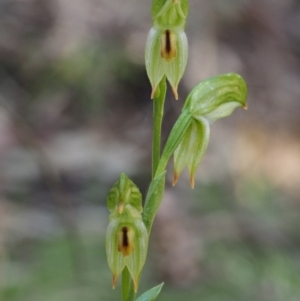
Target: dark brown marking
(125,240)
(168,41)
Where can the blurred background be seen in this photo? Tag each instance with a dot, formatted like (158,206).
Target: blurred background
(75,111)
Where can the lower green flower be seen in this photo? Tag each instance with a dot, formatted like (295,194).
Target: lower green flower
(126,245)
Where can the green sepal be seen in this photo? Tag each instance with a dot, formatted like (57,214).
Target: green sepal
(151,294)
(169,13)
(124,198)
(153,199)
(217,97)
(191,149)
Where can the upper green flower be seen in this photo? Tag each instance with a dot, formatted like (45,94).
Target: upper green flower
(167,48)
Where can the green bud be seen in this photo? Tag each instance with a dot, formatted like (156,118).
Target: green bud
(127,236)
(124,198)
(191,149)
(166,54)
(217,97)
(167,47)
(169,13)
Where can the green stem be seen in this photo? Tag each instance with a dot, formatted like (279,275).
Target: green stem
(158,112)
(128,293)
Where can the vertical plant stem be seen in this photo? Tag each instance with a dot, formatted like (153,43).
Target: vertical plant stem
(158,112)
(125,283)
(128,293)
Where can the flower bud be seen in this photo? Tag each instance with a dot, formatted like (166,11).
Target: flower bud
(166,54)
(124,198)
(127,236)
(191,149)
(169,13)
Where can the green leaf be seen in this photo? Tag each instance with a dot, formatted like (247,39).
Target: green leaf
(151,294)
(178,131)
(158,113)
(153,199)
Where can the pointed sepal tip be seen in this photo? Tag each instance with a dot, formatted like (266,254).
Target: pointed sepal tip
(175,178)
